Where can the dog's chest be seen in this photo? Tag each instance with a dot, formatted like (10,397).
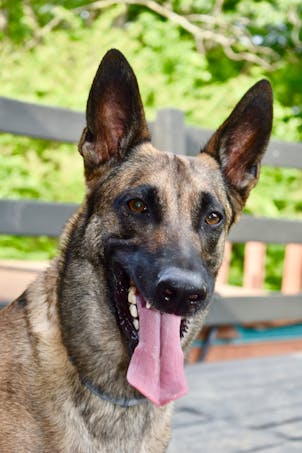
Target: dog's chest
(108,430)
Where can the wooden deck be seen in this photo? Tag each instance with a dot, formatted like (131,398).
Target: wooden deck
(252,405)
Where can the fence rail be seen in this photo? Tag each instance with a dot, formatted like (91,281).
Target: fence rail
(26,217)
(168,130)
(34,218)
(37,218)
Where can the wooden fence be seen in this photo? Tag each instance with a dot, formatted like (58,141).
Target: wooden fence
(169,132)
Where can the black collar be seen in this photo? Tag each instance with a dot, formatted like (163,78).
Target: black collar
(122,402)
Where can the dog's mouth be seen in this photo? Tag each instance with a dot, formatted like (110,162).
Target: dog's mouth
(125,306)
(125,299)
(153,338)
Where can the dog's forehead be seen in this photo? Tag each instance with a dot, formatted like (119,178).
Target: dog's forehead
(189,175)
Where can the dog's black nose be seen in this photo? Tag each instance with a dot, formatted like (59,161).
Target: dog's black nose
(180,291)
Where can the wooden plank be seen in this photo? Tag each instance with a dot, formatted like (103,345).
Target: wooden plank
(292,272)
(168,131)
(264,229)
(196,139)
(34,218)
(240,406)
(41,121)
(254,265)
(238,310)
(53,123)
(38,121)
(283,154)
(278,154)
(223,273)
(250,350)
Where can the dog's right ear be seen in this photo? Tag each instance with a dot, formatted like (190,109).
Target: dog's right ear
(114,115)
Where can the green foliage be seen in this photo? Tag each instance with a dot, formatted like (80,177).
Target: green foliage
(278,194)
(55,65)
(274,259)
(39,169)
(236,267)
(274,266)
(28,248)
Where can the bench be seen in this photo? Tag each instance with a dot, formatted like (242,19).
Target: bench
(34,218)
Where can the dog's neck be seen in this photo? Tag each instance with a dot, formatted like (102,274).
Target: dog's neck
(121,402)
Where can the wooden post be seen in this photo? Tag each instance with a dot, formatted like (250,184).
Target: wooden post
(292,273)
(223,274)
(254,265)
(169,131)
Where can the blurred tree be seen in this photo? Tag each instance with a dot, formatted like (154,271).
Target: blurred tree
(197,55)
(234,36)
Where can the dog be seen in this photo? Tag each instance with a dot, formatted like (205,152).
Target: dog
(92,353)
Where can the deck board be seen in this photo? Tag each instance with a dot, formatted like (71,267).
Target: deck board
(252,405)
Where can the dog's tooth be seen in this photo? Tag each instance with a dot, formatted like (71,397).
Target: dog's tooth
(132,299)
(148,305)
(133,310)
(132,289)
(131,295)
(136,324)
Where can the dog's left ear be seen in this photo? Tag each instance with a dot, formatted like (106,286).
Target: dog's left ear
(240,142)
(114,115)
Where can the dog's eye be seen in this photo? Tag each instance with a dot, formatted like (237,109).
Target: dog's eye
(137,205)
(213,218)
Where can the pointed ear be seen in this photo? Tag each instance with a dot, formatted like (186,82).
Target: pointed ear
(240,142)
(114,115)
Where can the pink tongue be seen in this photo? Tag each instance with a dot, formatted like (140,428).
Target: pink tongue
(157,365)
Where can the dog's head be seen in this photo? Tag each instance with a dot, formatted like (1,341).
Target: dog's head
(161,220)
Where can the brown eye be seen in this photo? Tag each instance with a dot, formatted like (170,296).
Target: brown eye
(137,205)
(213,218)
